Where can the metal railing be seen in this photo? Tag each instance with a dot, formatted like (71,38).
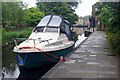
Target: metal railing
(16,43)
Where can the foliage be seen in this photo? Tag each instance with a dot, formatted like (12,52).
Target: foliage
(33,16)
(114,40)
(87,33)
(74,35)
(108,13)
(13,13)
(8,60)
(63,9)
(8,36)
(86,17)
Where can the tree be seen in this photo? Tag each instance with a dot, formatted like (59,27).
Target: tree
(64,9)
(33,16)
(86,17)
(109,15)
(12,13)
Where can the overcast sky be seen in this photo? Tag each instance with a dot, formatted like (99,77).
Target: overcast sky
(84,8)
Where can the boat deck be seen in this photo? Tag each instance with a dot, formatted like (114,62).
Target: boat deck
(91,59)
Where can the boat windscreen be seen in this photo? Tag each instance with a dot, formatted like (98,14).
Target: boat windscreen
(44,21)
(55,21)
(38,29)
(51,29)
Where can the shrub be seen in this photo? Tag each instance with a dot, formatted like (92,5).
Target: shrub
(74,35)
(114,40)
(8,36)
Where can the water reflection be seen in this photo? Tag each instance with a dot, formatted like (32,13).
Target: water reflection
(10,69)
(9,74)
(33,73)
(9,64)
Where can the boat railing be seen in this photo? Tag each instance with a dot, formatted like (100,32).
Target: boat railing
(15,40)
(16,43)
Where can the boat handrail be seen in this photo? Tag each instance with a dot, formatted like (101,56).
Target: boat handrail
(15,40)
(40,41)
(21,38)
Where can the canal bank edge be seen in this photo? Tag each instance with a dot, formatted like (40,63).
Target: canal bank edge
(51,72)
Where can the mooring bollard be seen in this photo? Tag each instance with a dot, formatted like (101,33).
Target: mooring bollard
(62,59)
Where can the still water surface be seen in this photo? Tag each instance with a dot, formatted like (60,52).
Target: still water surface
(10,68)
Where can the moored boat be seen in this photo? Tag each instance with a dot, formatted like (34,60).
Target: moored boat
(49,40)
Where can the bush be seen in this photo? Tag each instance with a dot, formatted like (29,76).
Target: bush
(74,35)
(8,36)
(109,15)
(87,33)
(114,40)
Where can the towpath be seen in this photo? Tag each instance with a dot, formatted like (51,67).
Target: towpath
(89,60)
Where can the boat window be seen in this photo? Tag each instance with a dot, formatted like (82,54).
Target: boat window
(67,28)
(38,29)
(44,21)
(58,43)
(51,29)
(55,44)
(55,21)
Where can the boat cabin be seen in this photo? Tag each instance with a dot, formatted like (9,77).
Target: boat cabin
(54,24)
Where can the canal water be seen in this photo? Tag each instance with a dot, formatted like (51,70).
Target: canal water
(11,70)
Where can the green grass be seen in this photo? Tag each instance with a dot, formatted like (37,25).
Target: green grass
(8,36)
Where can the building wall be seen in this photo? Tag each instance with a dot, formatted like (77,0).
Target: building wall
(93,15)
(93,11)
(79,22)
(78,30)
(87,21)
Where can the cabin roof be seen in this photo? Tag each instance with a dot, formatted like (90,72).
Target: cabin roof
(50,21)
(55,21)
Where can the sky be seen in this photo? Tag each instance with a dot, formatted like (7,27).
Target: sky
(84,8)
(31,3)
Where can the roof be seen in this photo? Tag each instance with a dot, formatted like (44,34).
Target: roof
(50,20)
(80,18)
